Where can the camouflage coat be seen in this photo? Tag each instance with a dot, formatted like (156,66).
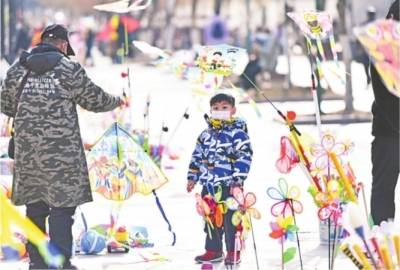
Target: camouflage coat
(50,163)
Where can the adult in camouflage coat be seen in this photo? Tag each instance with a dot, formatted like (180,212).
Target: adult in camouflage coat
(51,175)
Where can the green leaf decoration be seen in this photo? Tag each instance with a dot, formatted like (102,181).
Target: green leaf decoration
(289,254)
(293,228)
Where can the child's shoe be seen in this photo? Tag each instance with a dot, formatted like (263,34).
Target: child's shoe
(231,259)
(210,256)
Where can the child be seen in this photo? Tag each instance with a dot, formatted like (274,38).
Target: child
(220,161)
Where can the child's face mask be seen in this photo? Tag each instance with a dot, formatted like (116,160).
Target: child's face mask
(221,115)
(222,111)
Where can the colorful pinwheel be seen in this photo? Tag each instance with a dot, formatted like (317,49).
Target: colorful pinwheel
(322,163)
(288,157)
(381,41)
(283,229)
(242,205)
(203,207)
(288,203)
(285,210)
(331,211)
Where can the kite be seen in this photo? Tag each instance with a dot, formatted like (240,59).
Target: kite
(119,167)
(150,50)
(222,59)
(124,6)
(381,41)
(317,26)
(9,216)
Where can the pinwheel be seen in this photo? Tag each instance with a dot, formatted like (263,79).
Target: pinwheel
(287,205)
(381,41)
(124,6)
(203,207)
(288,157)
(243,204)
(328,144)
(283,228)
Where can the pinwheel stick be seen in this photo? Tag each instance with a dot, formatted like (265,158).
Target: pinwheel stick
(329,243)
(282,239)
(345,179)
(335,236)
(297,235)
(254,241)
(365,204)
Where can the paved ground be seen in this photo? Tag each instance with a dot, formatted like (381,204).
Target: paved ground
(169,99)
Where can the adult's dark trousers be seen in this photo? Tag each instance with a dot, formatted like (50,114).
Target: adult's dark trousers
(60,231)
(385,173)
(228,231)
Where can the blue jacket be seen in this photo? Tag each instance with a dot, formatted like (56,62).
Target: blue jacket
(222,155)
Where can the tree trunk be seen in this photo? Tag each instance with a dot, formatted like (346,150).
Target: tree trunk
(217,6)
(12,22)
(345,41)
(2,29)
(169,29)
(248,29)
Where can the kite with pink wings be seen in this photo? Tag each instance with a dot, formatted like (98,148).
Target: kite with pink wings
(381,41)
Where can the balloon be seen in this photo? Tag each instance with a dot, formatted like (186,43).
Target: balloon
(92,242)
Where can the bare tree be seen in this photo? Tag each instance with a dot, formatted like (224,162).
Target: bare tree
(343,7)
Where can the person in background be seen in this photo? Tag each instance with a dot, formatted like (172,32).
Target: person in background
(385,146)
(50,170)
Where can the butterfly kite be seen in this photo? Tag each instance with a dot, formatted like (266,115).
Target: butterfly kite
(381,40)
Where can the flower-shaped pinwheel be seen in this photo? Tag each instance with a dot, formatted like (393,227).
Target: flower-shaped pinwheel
(211,210)
(284,228)
(332,211)
(242,205)
(321,152)
(288,203)
(288,157)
